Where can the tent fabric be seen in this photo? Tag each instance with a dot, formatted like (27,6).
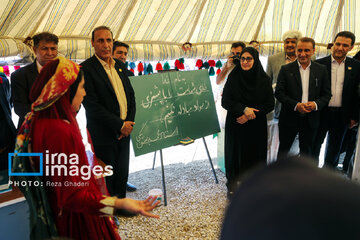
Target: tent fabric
(156,29)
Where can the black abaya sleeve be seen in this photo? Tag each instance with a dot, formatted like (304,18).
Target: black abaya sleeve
(229,98)
(269,99)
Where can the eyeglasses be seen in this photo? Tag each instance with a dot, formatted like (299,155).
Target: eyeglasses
(248,59)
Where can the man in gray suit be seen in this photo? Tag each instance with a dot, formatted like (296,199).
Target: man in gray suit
(275,61)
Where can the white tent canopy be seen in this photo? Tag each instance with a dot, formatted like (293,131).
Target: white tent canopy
(156,29)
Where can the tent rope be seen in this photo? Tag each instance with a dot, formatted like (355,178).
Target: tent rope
(256,34)
(338,18)
(32,33)
(196,20)
(126,16)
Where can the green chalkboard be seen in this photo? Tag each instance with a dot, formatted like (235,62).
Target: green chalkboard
(171,106)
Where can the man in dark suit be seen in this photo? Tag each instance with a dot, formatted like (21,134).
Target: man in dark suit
(275,61)
(343,109)
(120,51)
(303,88)
(7,128)
(46,49)
(290,39)
(110,109)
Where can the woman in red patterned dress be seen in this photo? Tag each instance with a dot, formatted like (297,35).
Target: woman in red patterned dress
(72,201)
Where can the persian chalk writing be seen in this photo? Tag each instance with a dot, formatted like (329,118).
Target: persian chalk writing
(185,108)
(142,139)
(171,106)
(157,95)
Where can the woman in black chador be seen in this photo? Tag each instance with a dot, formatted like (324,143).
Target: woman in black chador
(248,97)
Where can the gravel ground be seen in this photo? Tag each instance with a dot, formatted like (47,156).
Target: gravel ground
(196,204)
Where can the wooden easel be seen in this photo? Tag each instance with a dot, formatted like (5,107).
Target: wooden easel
(163,172)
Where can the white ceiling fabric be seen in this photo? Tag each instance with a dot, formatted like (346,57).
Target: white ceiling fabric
(156,29)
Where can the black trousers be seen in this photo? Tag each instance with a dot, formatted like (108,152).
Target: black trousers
(331,123)
(288,132)
(348,145)
(116,155)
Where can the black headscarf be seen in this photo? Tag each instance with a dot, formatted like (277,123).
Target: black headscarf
(251,84)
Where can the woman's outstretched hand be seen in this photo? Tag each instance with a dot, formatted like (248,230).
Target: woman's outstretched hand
(143,207)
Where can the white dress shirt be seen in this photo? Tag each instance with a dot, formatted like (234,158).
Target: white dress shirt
(38,66)
(305,78)
(117,85)
(305,75)
(288,59)
(337,82)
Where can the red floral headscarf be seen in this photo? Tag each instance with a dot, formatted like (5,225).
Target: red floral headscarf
(53,82)
(66,72)
(65,75)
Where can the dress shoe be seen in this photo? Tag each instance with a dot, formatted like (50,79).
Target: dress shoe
(230,195)
(130,187)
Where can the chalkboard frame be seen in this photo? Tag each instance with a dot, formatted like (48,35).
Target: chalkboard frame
(171,106)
